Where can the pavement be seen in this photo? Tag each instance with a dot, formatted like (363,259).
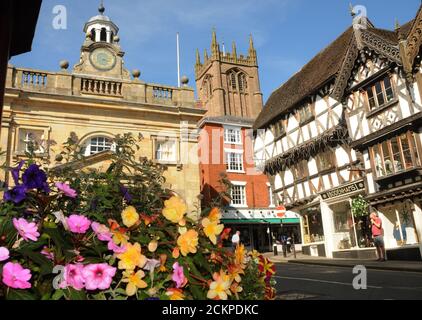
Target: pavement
(404,266)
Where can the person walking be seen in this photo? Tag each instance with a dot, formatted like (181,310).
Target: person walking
(377,235)
(235,240)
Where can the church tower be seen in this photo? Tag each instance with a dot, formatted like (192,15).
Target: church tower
(228,83)
(101,53)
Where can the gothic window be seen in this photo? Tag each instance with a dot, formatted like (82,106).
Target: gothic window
(395,155)
(243,85)
(237,81)
(380,93)
(233,81)
(103,34)
(207,87)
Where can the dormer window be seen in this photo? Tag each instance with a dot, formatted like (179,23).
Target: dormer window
(380,93)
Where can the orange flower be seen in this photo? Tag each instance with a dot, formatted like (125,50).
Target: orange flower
(188,242)
(175,294)
(212,229)
(220,287)
(240,256)
(175,210)
(235,271)
(131,258)
(215,215)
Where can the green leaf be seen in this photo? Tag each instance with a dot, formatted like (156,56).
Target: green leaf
(16,294)
(57,295)
(72,294)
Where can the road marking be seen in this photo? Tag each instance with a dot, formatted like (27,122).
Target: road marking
(324,281)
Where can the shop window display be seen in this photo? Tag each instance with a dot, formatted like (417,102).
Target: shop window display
(312,226)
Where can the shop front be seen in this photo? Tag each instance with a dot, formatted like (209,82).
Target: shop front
(402,221)
(260,229)
(331,230)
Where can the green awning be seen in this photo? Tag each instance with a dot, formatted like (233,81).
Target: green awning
(262,221)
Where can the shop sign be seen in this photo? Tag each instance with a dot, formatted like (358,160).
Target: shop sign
(341,191)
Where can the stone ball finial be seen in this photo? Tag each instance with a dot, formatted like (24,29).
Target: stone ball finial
(184,80)
(116,39)
(101,8)
(64,64)
(136,73)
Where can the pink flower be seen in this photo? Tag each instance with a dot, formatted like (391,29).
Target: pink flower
(66,189)
(178,275)
(15,276)
(26,230)
(115,248)
(78,224)
(4,254)
(98,276)
(103,233)
(73,277)
(48,253)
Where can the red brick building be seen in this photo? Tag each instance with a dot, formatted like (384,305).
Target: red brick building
(228,88)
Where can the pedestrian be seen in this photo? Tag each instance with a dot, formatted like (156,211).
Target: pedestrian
(289,244)
(236,240)
(377,235)
(283,240)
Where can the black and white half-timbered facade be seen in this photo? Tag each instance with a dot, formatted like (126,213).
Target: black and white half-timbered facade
(349,124)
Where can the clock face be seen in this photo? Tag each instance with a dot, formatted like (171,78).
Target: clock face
(103,59)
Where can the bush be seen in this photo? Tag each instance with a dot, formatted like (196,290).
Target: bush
(76,234)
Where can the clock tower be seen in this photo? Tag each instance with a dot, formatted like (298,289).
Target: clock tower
(101,54)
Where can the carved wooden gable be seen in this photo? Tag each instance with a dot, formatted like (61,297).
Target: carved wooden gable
(365,44)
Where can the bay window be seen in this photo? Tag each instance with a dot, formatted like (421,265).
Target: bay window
(395,155)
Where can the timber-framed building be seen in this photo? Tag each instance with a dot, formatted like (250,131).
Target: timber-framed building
(349,124)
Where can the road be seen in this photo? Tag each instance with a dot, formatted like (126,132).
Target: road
(302,282)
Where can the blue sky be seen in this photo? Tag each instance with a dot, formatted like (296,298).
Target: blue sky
(287,33)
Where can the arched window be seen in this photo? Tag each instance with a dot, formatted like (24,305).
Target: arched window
(98,144)
(207,87)
(233,81)
(103,34)
(93,34)
(243,84)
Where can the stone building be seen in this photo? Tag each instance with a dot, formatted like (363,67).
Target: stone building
(98,99)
